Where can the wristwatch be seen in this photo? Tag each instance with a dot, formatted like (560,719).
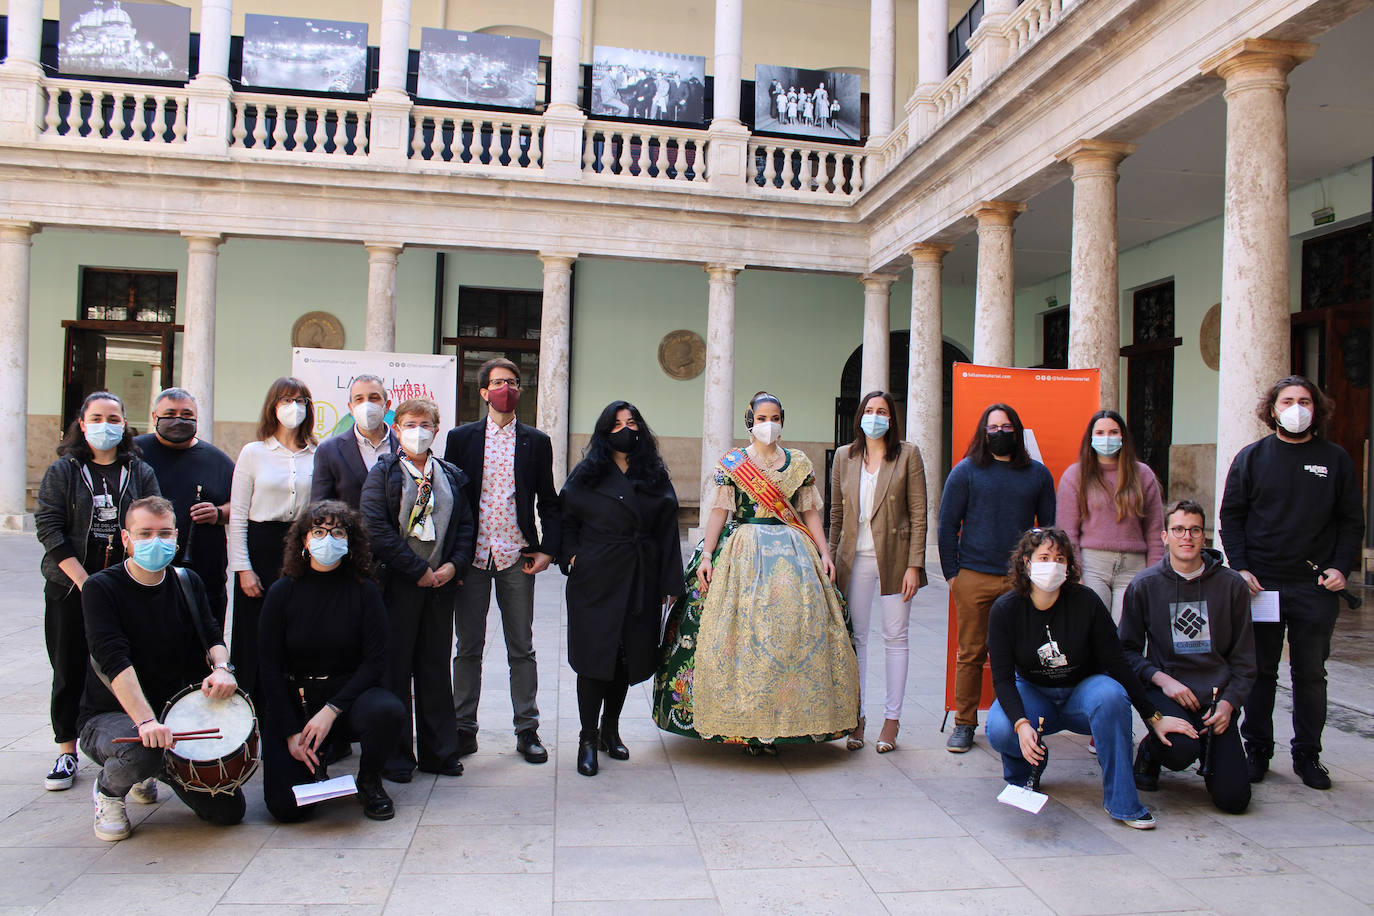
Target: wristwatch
(225,665)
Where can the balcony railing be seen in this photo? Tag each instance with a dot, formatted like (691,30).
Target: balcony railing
(807,171)
(474,140)
(644,153)
(1032,19)
(76,111)
(295,126)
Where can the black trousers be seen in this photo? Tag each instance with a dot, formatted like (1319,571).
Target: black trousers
(265,540)
(375,721)
(1309,618)
(419,649)
(64,630)
(1229,781)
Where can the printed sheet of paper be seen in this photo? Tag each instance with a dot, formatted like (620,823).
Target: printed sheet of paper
(1264,607)
(1023,798)
(312,792)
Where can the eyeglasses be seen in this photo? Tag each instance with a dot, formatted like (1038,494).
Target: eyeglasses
(1179,531)
(1004,428)
(301,401)
(337,534)
(497,383)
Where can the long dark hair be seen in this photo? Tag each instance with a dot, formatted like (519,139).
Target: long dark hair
(892,440)
(268,424)
(645,462)
(74,444)
(296,556)
(1018,577)
(1130,492)
(1322,406)
(978,446)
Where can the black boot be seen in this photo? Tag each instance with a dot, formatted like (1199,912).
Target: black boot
(587,740)
(1146,768)
(610,741)
(1257,759)
(376,803)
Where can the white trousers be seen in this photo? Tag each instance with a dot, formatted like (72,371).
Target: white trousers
(1108,572)
(863,593)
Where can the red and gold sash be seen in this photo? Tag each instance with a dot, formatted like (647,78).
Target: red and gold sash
(748,477)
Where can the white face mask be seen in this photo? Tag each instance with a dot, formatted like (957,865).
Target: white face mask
(291,415)
(1049,575)
(368,415)
(1295,419)
(767,432)
(416,440)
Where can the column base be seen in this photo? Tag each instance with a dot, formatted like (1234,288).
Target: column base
(389,140)
(727,166)
(989,48)
(21,102)
(17,522)
(209,115)
(563,141)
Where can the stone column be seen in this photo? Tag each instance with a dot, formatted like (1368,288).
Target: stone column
(555,335)
(1094,297)
(718,411)
(209,108)
(994,327)
(15,245)
(925,395)
(1254,262)
(882,66)
(395,47)
(21,76)
(564,120)
(877,329)
(932,65)
(381,296)
(389,138)
(216,26)
(730,160)
(198,341)
(988,45)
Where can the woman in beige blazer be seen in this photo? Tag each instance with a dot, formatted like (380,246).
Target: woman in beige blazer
(878,540)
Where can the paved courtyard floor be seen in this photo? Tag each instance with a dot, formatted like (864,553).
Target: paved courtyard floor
(685,827)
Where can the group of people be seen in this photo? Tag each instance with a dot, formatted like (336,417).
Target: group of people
(793,106)
(363,568)
(635,92)
(1123,606)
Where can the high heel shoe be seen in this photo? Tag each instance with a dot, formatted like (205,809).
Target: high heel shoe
(587,740)
(883,746)
(610,741)
(855,741)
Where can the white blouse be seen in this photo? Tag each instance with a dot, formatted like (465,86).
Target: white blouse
(271,484)
(868,484)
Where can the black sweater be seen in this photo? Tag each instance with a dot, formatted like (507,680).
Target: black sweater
(1286,502)
(322,625)
(1082,627)
(1197,631)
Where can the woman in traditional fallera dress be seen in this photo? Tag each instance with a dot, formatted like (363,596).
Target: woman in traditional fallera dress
(758,651)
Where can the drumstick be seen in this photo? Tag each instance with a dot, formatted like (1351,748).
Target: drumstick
(198,731)
(177,737)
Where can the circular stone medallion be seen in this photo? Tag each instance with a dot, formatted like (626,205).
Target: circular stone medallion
(1209,337)
(682,354)
(319,330)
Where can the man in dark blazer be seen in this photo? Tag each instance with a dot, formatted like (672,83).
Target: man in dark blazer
(342,461)
(510,466)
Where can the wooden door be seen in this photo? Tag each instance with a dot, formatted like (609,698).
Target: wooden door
(1150,376)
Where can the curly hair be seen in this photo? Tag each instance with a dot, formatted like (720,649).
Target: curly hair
(1018,573)
(1322,406)
(645,462)
(296,556)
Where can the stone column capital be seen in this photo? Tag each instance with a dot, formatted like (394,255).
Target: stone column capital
(995,212)
(202,241)
(722,273)
(558,260)
(18,231)
(1260,58)
(929,252)
(878,283)
(1089,156)
(384,250)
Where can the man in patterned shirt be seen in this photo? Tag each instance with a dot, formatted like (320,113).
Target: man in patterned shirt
(510,465)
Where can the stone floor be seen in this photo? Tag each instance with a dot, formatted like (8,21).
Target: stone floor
(693,828)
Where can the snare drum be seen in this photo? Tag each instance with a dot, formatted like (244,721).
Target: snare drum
(218,766)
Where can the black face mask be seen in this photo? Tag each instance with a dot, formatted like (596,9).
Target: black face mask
(624,440)
(1001,443)
(176,429)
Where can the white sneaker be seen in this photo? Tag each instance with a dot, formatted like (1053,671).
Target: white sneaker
(111,820)
(1147,822)
(145,792)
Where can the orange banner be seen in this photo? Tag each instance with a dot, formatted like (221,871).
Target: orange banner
(1054,406)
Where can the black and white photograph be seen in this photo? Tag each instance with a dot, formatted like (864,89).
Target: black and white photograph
(129,40)
(648,85)
(319,55)
(478,68)
(808,103)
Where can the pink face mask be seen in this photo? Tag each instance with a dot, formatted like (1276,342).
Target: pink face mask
(503,400)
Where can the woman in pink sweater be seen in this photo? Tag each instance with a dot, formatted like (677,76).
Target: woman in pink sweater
(1111,507)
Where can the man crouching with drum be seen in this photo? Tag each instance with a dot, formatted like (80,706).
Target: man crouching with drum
(146,645)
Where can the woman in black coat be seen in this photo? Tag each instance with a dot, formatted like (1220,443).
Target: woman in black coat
(622,556)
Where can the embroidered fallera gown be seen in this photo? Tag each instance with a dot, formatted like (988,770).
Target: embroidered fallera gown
(765,656)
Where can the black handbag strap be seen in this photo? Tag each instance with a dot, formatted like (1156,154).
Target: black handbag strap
(184,581)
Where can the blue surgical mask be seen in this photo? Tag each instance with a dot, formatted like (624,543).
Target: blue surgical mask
(874,425)
(102,436)
(1106,446)
(328,551)
(153,554)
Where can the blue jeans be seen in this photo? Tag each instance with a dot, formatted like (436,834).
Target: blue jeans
(1097,706)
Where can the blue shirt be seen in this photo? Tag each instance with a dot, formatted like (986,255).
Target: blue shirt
(985,510)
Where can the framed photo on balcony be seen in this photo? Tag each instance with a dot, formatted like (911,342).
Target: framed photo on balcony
(648,86)
(313,55)
(124,40)
(477,68)
(808,103)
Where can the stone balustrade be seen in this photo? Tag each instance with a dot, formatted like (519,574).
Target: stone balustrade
(807,170)
(644,152)
(298,126)
(1032,19)
(953,92)
(113,114)
(477,140)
